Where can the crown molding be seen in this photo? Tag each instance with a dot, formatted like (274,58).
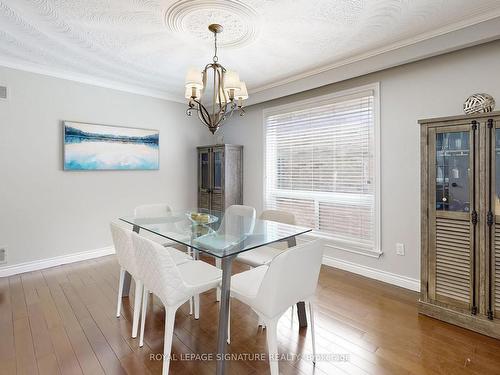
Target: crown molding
(475,30)
(108,84)
(392,47)
(421,48)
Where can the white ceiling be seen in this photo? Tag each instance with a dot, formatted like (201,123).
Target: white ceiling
(147,45)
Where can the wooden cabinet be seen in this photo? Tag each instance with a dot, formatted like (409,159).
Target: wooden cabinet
(220,176)
(460,211)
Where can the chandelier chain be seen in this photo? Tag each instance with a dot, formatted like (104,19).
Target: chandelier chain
(215,45)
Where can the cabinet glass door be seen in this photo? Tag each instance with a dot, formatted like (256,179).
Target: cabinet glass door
(204,171)
(452,171)
(218,166)
(451,209)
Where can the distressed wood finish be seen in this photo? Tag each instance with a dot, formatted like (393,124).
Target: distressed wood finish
(230,191)
(453,273)
(460,269)
(496,276)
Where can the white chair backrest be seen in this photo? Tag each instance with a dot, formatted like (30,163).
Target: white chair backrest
(238,220)
(152,210)
(158,271)
(278,216)
(125,252)
(291,277)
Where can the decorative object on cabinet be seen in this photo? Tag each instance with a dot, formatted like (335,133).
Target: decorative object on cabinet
(460,221)
(479,103)
(104,147)
(220,176)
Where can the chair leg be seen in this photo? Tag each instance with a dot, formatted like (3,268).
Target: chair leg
(137,307)
(196,299)
(272,345)
(143,316)
(313,337)
(169,334)
(229,323)
(191,306)
(218,264)
(120,292)
(261,322)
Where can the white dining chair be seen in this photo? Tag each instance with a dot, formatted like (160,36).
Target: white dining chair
(173,284)
(125,253)
(238,221)
(158,210)
(270,290)
(264,254)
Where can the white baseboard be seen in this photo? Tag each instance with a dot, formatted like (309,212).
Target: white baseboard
(373,273)
(56,261)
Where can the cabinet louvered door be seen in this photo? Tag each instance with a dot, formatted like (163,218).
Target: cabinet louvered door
(495,277)
(452,216)
(453,273)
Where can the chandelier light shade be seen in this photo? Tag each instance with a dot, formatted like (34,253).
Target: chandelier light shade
(231,80)
(194,78)
(242,93)
(214,93)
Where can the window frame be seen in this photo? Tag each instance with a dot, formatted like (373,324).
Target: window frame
(338,96)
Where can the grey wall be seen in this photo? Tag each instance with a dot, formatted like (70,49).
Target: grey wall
(434,87)
(46,212)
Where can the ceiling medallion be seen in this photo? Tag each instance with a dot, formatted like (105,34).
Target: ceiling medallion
(215,93)
(191,17)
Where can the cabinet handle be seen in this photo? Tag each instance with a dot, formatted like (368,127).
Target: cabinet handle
(490,219)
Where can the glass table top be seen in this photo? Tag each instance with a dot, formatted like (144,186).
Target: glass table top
(214,232)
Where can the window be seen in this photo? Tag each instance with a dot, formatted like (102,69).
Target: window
(321,163)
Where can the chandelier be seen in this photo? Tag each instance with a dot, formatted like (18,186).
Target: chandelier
(214,93)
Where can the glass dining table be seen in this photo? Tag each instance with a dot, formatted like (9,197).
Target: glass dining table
(222,236)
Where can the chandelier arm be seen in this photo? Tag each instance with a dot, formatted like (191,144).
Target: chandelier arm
(201,118)
(231,111)
(221,89)
(199,109)
(226,98)
(214,94)
(226,114)
(203,114)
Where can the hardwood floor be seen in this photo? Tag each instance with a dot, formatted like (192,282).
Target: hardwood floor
(62,321)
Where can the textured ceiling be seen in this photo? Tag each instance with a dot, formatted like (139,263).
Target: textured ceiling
(151,43)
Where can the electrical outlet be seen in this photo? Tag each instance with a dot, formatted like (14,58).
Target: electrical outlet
(400,249)
(3,254)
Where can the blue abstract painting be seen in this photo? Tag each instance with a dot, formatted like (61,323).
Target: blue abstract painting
(102,147)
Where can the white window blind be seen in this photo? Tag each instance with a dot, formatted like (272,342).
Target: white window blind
(320,164)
